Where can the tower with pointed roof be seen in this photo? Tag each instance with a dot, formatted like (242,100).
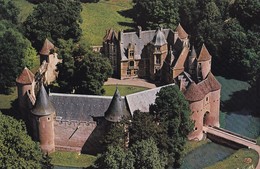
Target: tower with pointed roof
(160,49)
(24,84)
(42,118)
(204,63)
(46,50)
(117,109)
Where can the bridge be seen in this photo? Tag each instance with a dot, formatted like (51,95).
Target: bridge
(216,133)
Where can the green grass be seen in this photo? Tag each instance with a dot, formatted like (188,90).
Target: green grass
(25,7)
(192,145)
(99,17)
(6,100)
(237,160)
(72,159)
(123,89)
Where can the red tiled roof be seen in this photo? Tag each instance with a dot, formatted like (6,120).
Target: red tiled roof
(47,46)
(182,58)
(181,32)
(26,77)
(204,54)
(196,92)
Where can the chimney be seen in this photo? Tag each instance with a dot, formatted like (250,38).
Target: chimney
(139,31)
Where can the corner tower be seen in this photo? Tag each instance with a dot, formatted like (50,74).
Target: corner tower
(46,51)
(117,109)
(43,114)
(24,84)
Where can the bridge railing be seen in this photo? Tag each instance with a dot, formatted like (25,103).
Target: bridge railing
(235,134)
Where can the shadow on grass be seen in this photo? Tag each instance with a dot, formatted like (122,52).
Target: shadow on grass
(243,99)
(13,111)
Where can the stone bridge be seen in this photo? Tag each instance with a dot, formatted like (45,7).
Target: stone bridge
(224,136)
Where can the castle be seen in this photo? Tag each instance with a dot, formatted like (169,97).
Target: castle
(77,122)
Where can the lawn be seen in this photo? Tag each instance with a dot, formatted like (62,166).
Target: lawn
(6,100)
(25,8)
(72,159)
(101,16)
(242,158)
(123,89)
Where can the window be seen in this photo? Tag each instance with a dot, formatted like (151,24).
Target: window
(157,48)
(131,64)
(207,99)
(128,72)
(157,59)
(131,53)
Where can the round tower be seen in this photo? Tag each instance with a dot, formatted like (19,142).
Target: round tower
(43,114)
(24,85)
(46,51)
(117,109)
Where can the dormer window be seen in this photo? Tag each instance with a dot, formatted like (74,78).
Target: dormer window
(131,53)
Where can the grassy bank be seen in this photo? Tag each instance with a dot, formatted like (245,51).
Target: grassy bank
(72,159)
(123,89)
(241,159)
(98,17)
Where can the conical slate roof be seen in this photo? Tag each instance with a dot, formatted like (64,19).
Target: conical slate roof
(116,110)
(204,54)
(193,52)
(47,46)
(43,106)
(159,38)
(26,77)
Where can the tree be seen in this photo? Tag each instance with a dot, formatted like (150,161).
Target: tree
(54,19)
(153,13)
(17,148)
(16,52)
(173,112)
(8,11)
(144,126)
(82,70)
(246,11)
(115,157)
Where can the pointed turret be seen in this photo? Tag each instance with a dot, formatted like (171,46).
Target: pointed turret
(42,119)
(43,106)
(204,54)
(181,32)
(159,38)
(26,77)
(116,110)
(46,48)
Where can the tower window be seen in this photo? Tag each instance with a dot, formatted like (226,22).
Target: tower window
(157,59)
(131,64)
(131,54)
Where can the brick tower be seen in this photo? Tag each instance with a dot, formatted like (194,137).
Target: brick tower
(43,114)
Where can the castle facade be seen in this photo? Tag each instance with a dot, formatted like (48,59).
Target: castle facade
(78,122)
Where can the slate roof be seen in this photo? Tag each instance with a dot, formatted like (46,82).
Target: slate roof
(110,35)
(196,92)
(159,38)
(79,107)
(117,109)
(142,100)
(140,42)
(43,106)
(204,54)
(26,77)
(193,52)
(47,46)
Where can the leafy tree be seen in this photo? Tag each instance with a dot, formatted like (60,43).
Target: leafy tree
(147,155)
(16,52)
(174,114)
(116,135)
(82,70)
(8,11)
(54,19)
(246,11)
(144,126)
(154,13)
(17,150)
(115,157)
